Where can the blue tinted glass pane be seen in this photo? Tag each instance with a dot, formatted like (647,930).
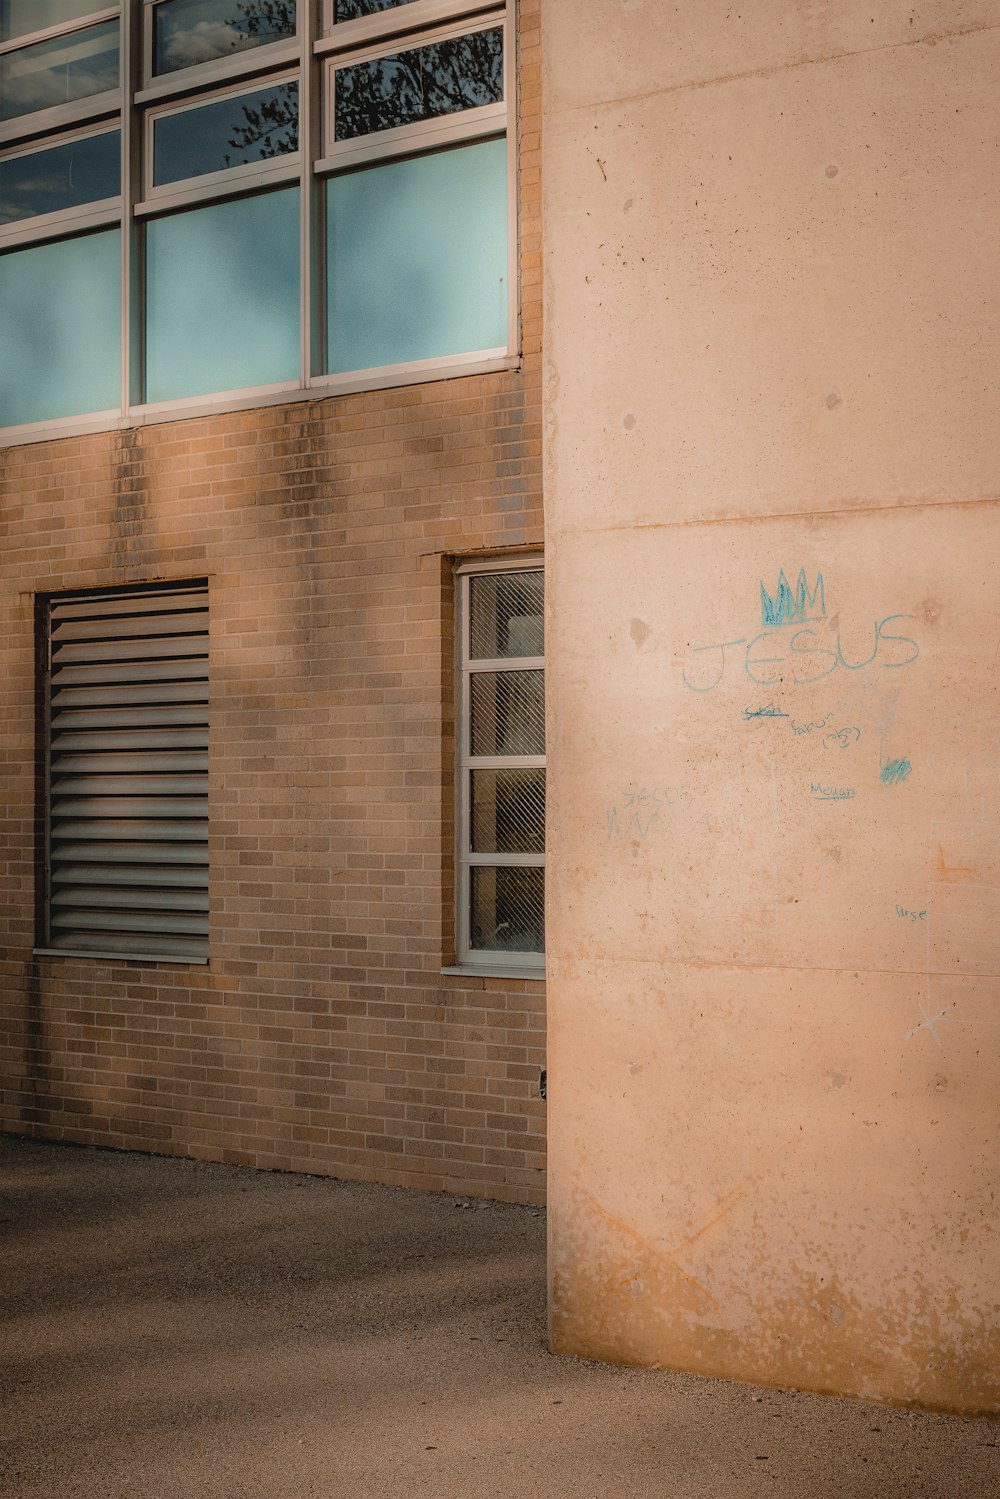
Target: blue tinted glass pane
(81,171)
(462,72)
(417,258)
(222,297)
(57,72)
(187,32)
(60,312)
(226,133)
(348,10)
(20,16)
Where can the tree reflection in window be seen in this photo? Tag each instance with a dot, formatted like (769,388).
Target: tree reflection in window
(442,78)
(350,10)
(188,32)
(227,132)
(271,129)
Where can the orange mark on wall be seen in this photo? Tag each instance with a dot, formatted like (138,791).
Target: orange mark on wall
(650,1250)
(728,1201)
(952,874)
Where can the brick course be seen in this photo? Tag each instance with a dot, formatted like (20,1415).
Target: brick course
(322,1036)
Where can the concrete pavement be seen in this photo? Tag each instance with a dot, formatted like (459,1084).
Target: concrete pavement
(173,1330)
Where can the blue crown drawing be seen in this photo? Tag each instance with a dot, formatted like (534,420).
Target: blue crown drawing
(788,606)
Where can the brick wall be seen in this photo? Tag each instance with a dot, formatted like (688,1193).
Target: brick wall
(322,1036)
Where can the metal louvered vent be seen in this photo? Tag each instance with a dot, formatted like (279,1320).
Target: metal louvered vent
(128,773)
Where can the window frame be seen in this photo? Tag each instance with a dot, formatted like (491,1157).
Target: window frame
(140,98)
(63,222)
(241,179)
(43,122)
(469,959)
(97,13)
(263,59)
(416,15)
(489,122)
(478,123)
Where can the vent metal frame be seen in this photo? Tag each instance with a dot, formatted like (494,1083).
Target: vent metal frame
(140,725)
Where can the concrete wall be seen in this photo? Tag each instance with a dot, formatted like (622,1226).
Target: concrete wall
(772,459)
(323,1035)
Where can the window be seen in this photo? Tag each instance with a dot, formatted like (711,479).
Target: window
(501,766)
(214,203)
(126,760)
(60,210)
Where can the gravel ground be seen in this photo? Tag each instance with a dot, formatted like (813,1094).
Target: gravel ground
(212,1332)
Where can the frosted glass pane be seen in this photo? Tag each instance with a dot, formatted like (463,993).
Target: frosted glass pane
(417,258)
(60,323)
(222,297)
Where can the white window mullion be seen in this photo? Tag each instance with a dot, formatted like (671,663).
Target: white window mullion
(131,245)
(311,218)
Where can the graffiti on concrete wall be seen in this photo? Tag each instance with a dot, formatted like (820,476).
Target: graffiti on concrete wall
(789,649)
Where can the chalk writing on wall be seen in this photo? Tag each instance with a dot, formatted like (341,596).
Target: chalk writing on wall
(842,738)
(769,711)
(894,771)
(831,793)
(789,649)
(639,808)
(790,607)
(836,739)
(810,728)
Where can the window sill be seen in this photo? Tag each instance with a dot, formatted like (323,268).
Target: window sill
(535,971)
(321,389)
(119,957)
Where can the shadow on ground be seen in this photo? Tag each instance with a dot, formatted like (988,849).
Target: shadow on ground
(212,1332)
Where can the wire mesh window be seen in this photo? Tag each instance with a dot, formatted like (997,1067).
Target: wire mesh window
(127,773)
(501,874)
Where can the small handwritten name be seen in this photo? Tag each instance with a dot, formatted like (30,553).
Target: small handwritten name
(664,796)
(903,914)
(809,728)
(831,793)
(640,807)
(842,737)
(769,712)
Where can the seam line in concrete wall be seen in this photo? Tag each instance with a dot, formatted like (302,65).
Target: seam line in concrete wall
(744,967)
(932,39)
(780,515)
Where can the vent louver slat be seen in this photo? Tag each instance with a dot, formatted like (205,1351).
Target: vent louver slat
(128,738)
(120,744)
(129,786)
(142,670)
(132,697)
